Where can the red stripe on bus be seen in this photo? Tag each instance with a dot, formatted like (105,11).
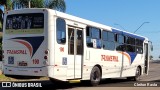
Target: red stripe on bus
(27,45)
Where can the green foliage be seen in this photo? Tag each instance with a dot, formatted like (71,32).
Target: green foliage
(53,4)
(18,4)
(6,78)
(37,4)
(8,5)
(2,2)
(0,26)
(24,3)
(0,42)
(1,20)
(56,4)
(150,57)
(0,48)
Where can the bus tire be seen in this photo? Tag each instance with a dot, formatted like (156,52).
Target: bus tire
(95,76)
(138,74)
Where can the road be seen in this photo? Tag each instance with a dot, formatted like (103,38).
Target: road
(153,79)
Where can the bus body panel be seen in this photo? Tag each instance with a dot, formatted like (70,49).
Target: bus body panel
(60,64)
(24,50)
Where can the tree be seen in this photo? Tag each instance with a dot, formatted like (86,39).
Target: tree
(7,4)
(24,3)
(53,4)
(56,4)
(18,4)
(151,57)
(1,19)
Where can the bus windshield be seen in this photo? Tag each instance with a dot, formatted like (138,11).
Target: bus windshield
(28,23)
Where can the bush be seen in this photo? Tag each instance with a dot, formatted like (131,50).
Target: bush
(0,51)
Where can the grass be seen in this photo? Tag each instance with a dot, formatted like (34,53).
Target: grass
(1,34)
(0,26)
(5,78)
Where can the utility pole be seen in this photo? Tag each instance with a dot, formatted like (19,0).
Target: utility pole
(140,26)
(29,3)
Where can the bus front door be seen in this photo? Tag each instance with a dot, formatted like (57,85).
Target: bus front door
(75,52)
(146,60)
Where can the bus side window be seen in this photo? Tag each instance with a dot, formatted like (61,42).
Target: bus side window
(61,30)
(108,39)
(120,45)
(93,37)
(88,37)
(139,46)
(130,44)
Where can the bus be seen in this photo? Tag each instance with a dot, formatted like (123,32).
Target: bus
(46,42)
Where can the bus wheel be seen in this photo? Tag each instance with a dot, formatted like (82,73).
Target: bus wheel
(95,76)
(138,74)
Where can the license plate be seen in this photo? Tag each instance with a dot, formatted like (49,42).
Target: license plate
(22,63)
(10,60)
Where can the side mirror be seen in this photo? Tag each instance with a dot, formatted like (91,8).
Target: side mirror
(151,46)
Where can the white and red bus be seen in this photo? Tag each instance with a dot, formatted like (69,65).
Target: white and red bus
(45,42)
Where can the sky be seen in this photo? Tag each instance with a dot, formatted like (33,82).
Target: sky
(128,14)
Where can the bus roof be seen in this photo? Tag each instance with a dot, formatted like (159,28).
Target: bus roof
(129,34)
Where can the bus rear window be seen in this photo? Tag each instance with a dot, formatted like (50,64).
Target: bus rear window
(28,23)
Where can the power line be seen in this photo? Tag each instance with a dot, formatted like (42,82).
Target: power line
(140,26)
(151,32)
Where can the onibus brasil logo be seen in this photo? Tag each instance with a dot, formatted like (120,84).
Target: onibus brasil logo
(20,84)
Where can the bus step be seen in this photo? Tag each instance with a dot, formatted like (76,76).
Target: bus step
(74,81)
